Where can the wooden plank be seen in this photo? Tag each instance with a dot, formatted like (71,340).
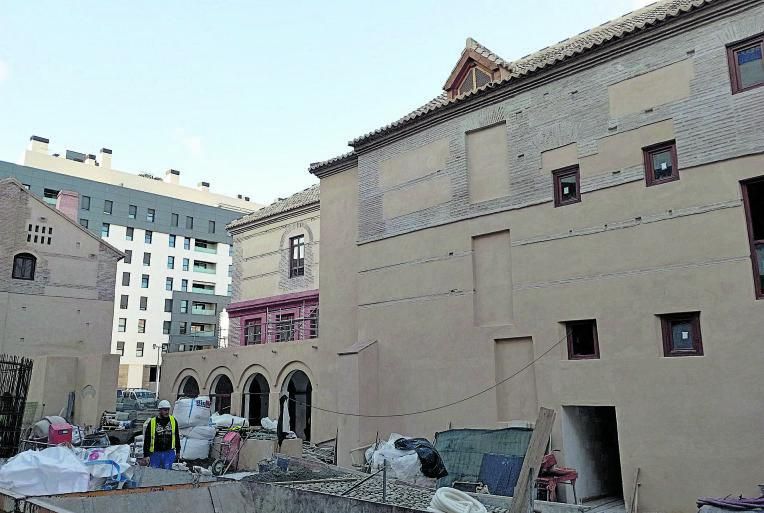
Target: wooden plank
(633,503)
(533,456)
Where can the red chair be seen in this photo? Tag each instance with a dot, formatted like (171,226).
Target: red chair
(551,475)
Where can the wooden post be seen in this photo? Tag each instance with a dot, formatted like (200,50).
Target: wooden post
(531,479)
(532,462)
(635,491)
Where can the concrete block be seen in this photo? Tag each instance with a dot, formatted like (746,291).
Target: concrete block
(254,451)
(292,447)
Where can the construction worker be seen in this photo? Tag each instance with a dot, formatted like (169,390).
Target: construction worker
(161,441)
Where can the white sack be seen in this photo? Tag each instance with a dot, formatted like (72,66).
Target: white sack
(199,432)
(403,465)
(192,412)
(451,500)
(191,449)
(48,472)
(269,424)
(228,420)
(119,454)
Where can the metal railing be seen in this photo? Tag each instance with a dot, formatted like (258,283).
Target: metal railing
(282,325)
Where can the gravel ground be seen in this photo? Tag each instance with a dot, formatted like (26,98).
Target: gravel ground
(299,471)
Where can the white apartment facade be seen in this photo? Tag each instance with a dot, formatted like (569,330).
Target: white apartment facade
(175,280)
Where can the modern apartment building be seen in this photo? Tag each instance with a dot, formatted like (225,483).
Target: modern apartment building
(273,319)
(178,253)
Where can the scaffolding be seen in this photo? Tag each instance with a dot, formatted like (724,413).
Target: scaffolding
(282,323)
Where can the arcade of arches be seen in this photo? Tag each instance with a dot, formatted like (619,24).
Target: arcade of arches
(257,398)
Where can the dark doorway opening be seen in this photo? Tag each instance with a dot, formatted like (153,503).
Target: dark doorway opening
(221,396)
(256,399)
(590,438)
(300,392)
(188,387)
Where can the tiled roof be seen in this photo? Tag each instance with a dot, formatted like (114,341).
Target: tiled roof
(334,160)
(632,22)
(295,201)
(485,52)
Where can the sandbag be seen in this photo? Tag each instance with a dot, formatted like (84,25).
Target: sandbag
(192,412)
(432,464)
(199,432)
(48,472)
(191,449)
(228,420)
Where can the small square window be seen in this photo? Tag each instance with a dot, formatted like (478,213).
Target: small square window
(166,327)
(681,334)
(583,343)
(84,223)
(128,256)
(105,229)
(132,211)
(85,203)
(141,325)
(121,348)
(171,241)
(148,236)
(660,163)
(146,259)
(124,299)
(108,206)
(168,305)
(125,279)
(566,186)
(746,64)
(129,232)
(139,349)
(168,284)
(150,215)
(144,281)
(122,325)
(144,303)
(174,219)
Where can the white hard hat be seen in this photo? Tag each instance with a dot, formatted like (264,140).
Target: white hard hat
(164,404)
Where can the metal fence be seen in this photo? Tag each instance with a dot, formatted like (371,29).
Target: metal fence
(15,375)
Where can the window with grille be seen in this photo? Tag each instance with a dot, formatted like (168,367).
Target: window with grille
(297,256)
(24,265)
(474,79)
(284,327)
(253,329)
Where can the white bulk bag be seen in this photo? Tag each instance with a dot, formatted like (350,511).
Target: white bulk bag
(227,420)
(191,449)
(199,432)
(48,472)
(192,412)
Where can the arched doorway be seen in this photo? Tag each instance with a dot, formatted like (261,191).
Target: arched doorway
(300,392)
(255,400)
(222,388)
(189,387)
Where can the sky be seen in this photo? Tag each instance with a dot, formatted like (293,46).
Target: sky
(245,94)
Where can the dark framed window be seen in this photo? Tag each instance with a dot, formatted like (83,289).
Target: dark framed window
(566,186)
(171,241)
(183,306)
(187,243)
(121,348)
(129,232)
(211,227)
(746,64)
(168,283)
(174,219)
(583,343)
(753,201)
(108,206)
(313,323)
(253,332)
(297,256)
(24,265)
(153,374)
(122,325)
(146,258)
(84,223)
(128,256)
(132,212)
(183,328)
(85,202)
(681,334)
(144,303)
(185,264)
(168,305)
(141,325)
(284,327)
(184,285)
(144,281)
(50,196)
(171,262)
(139,349)
(660,163)
(166,327)
(124,300)
(189,222)
(125,279)
(105,229)
(150,215)
(148,236)
(165,346)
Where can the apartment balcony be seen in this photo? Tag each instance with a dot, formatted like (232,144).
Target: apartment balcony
(203,246)
(203,289)
(202,334)
(207,309)
(211,251)
(205,270)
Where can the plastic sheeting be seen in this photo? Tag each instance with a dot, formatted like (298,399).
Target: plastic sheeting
(462,450)
(403,465)
(227,420)
(432,464)
(47,472)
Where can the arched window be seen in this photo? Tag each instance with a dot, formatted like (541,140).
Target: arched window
(24,266)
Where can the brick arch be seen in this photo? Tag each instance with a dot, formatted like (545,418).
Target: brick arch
(307,281)
(293,229)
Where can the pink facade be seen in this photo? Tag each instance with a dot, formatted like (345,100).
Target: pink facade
(68,203)
(277,318)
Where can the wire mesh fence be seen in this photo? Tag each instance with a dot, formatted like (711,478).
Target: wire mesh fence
(15,375)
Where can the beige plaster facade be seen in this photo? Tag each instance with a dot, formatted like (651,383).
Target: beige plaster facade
(62,317)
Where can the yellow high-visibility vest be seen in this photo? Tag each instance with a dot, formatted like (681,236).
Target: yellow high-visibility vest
(153,432)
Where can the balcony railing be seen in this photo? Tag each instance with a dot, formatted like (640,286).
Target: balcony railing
(211,251)
(281,325)
(200,290)
(205,270)
(204,334)
(202,311)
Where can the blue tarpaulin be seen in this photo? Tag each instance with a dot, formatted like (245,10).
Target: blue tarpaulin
(500,473)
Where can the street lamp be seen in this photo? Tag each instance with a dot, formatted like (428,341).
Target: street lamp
(159,350)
